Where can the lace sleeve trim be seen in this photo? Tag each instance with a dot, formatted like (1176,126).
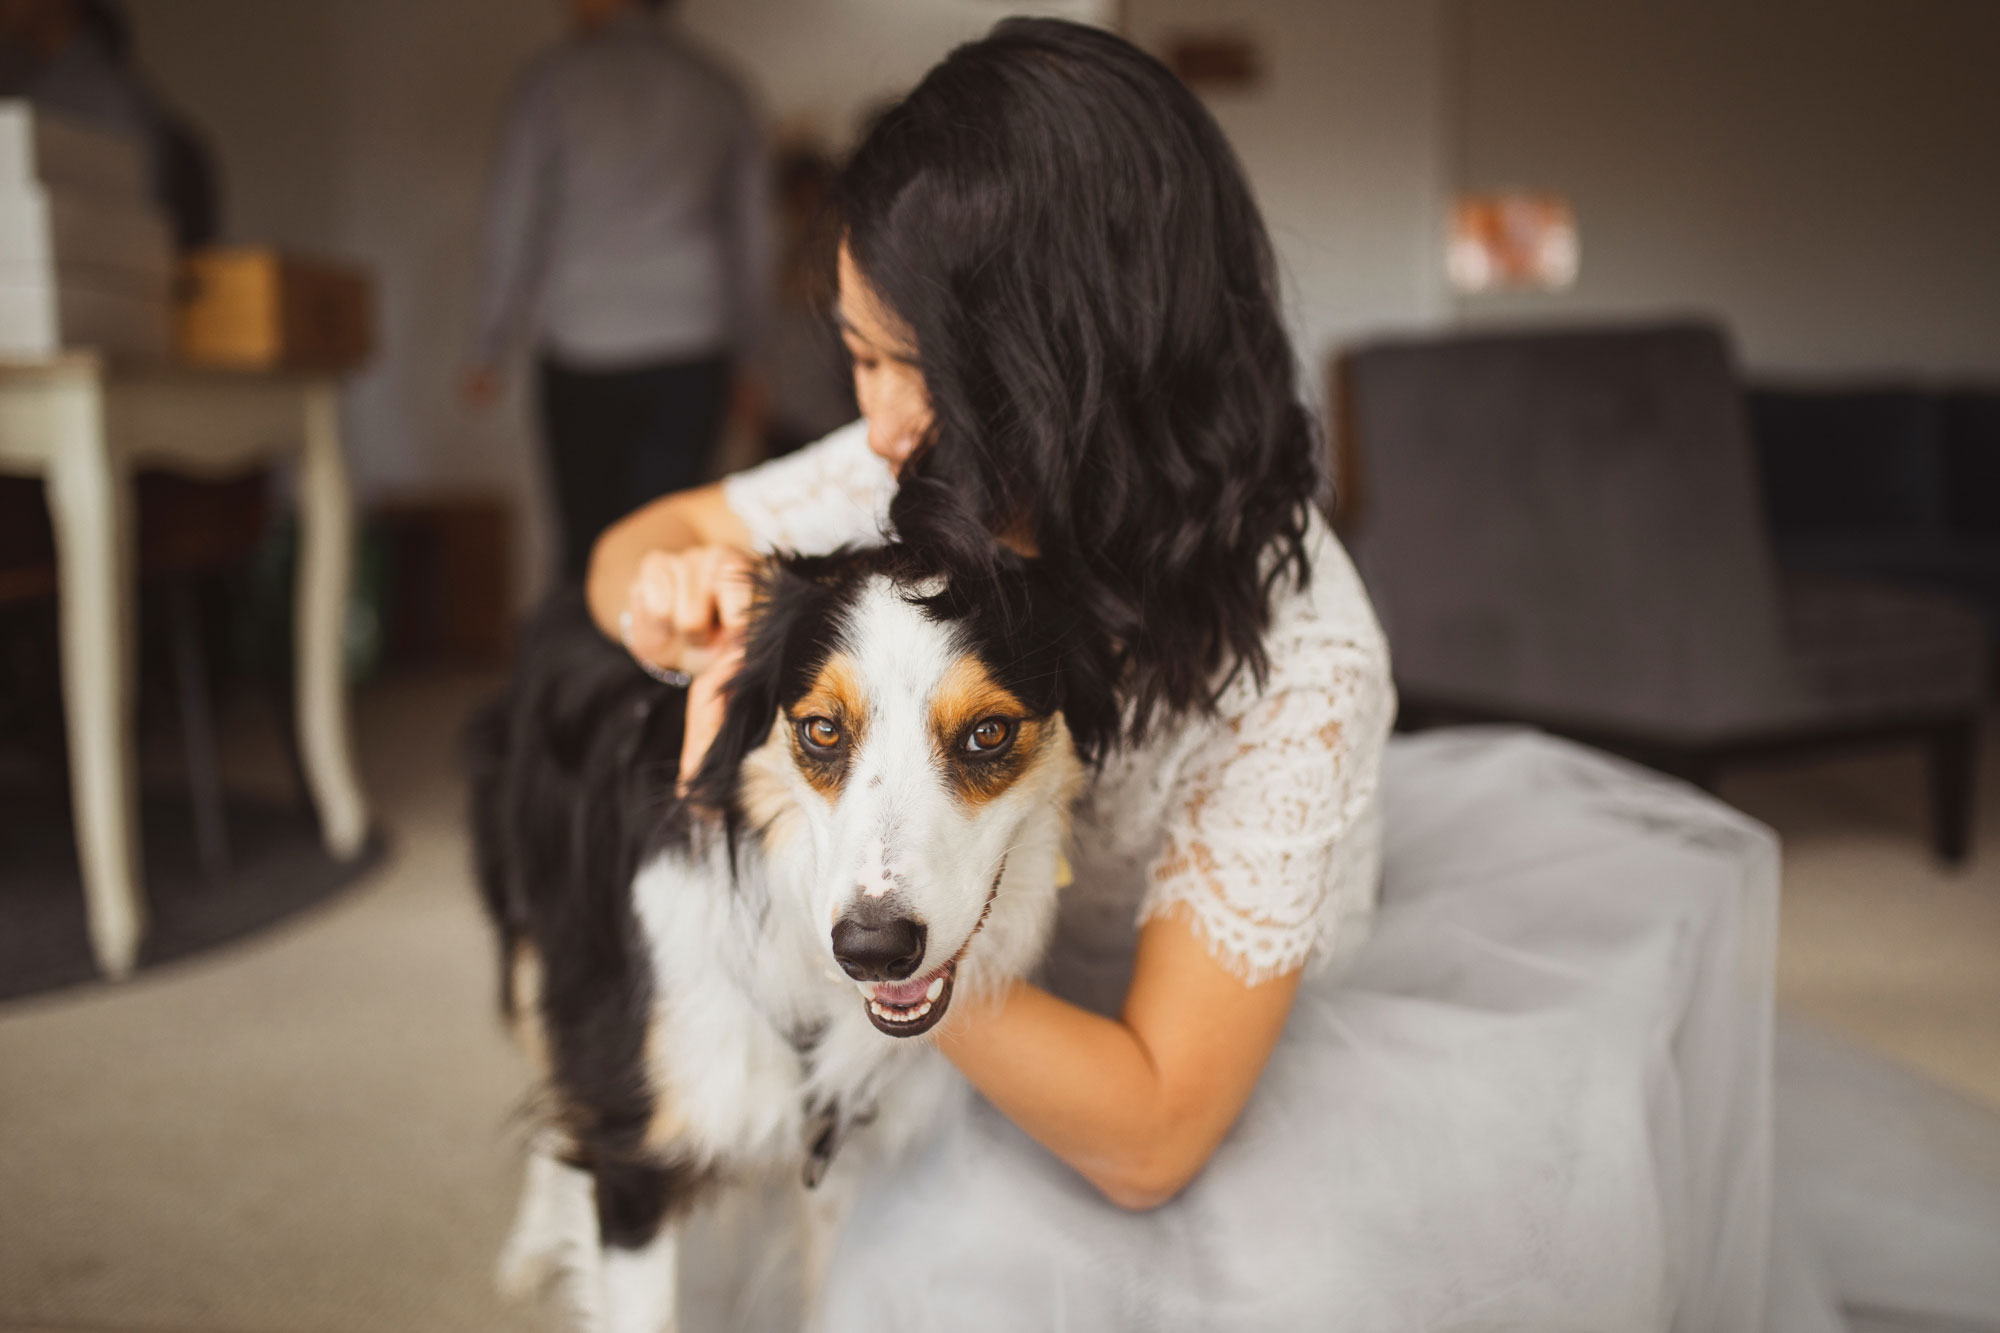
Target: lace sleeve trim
(1273,845)
(829,494)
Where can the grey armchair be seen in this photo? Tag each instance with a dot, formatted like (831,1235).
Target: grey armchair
(1563,528)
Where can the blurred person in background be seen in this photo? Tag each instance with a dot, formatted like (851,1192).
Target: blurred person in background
(628,240)
(74,58)
(810,384)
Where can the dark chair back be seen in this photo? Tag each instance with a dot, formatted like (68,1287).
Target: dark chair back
(1565,527)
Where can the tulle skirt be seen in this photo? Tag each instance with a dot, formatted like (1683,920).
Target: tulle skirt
(1539,1097)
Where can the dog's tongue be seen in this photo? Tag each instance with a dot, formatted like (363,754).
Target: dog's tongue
(904,994)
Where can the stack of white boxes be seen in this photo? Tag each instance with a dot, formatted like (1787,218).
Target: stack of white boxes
(86,258)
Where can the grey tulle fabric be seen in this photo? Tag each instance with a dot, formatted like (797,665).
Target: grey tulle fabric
(1540,1097)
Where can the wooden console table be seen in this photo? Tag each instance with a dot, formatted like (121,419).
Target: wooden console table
(85,426)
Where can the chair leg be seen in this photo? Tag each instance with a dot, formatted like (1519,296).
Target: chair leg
(211,831)
(1954,755)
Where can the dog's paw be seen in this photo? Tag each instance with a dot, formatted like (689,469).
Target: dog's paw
(640,1287)
(554,1240)
(527,1264)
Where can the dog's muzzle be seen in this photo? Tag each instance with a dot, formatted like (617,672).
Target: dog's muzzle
(912,1007)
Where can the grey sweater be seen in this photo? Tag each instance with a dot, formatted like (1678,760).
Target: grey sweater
(629,220)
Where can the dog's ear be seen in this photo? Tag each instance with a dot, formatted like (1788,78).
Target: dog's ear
(787,618)
(1082,659)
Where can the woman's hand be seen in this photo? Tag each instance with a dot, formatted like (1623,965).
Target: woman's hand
(707,700)
(685,609)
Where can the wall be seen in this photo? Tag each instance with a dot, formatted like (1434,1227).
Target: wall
(1342,142)
(1822,174)
(825,64)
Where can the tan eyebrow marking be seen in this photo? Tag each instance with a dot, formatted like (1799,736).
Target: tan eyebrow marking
(967,695)
(835,694)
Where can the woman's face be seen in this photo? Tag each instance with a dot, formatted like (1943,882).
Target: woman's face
(887,383)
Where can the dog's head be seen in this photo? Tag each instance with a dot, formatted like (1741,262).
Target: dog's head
(900,734)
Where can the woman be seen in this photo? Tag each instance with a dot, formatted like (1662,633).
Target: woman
(1059,301)
(1541,1099)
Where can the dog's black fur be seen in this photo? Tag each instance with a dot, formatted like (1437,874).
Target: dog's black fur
(574,787)
(573,777)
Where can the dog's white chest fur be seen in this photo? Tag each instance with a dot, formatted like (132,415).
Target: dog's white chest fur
(754,1027)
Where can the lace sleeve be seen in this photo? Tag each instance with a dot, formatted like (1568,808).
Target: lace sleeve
(1272,846)
(829,494)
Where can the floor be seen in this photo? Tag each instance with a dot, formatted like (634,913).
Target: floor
(1877,941)
(208,1147)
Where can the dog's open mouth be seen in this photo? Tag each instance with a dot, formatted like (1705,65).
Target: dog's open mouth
(906,1008)
(911,1008)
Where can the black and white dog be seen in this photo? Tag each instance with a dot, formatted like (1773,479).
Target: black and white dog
(714,996)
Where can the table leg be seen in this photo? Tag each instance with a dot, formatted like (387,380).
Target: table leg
(90,510)
(326,553)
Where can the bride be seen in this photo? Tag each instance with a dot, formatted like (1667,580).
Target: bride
(1531,1091)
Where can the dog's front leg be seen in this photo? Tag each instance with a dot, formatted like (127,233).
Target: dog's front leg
(557,1244)
(642,1285)
(554,1237)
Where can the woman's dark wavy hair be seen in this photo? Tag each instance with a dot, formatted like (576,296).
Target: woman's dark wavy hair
(1093,303)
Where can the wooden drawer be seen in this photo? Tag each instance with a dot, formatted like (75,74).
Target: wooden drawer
(256,309)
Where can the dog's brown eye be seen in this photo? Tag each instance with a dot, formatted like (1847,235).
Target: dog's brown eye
(819,733)
(990,735)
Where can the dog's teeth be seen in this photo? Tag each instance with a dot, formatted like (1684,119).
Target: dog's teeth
(877,1010)
(922,1009)
(937,989)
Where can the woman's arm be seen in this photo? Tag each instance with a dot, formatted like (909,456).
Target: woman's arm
(1139,1103)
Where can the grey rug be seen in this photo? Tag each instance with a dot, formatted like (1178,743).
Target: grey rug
(279,868)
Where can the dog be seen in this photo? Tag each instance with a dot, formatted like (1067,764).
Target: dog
(735,981)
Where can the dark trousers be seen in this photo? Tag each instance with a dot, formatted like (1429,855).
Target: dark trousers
(618,438)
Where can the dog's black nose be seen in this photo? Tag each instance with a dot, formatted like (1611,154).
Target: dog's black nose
(878,948)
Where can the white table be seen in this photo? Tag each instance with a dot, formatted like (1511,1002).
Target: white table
(85,426)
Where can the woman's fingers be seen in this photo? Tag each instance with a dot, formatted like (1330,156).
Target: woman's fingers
(643,632)
(694,595)
(735,590)
(657,584)
(680,600)
(707,702)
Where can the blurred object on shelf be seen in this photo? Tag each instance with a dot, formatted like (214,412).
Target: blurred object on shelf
(1211,62)
(1512,239)
(86,258)
(253,308)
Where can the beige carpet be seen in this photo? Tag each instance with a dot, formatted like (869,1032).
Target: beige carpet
(1877,941)
(310,1131)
